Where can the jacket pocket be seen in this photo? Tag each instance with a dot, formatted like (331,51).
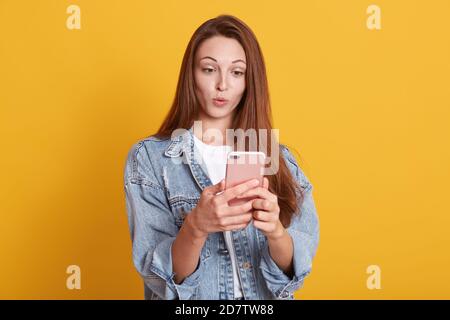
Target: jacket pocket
(181,206)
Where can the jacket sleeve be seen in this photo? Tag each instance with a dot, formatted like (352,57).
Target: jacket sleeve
(152,228)
(304,230)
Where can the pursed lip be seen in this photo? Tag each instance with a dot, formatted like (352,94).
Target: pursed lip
(220,102)
(220,99)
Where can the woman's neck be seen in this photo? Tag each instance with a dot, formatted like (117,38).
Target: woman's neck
(211,131)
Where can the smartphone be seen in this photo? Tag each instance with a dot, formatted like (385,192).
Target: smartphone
(241,167)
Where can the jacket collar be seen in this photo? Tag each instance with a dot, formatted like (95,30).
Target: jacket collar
(179,144)
(183,146)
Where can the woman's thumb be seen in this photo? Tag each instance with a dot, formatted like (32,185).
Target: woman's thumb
(218,187)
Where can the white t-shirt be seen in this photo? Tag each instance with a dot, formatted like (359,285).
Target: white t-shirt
(215,159)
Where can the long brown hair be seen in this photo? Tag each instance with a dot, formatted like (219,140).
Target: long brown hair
(253,111)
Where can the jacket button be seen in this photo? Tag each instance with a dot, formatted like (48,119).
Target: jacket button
(247,265)
(223,251)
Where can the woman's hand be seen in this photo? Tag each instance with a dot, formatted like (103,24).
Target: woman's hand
(213,214)
(266,211)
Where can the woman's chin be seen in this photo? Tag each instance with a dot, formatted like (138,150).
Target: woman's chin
(215,112)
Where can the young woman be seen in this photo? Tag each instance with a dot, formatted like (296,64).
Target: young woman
(187,242)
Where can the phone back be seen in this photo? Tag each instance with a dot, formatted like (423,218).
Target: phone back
(241,167)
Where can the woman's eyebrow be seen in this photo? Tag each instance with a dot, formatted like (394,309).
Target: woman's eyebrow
(238,60)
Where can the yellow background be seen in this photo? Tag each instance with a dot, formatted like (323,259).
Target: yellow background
(367,110)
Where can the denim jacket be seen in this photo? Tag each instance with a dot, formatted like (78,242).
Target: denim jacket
(160,192)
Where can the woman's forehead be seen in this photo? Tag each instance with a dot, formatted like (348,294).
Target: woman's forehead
(220,49)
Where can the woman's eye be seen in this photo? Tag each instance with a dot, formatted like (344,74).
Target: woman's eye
(238,73)
(208,70)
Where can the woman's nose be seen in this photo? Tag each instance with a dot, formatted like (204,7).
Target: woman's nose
(221,85)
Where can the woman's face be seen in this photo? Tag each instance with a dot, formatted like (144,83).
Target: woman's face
(219,72)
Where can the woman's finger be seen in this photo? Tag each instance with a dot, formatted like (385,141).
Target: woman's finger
(263,216)
(235,220)
(266,183)
(260,192)
(237,190)
(263,225)
(238,209)
(262,204)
